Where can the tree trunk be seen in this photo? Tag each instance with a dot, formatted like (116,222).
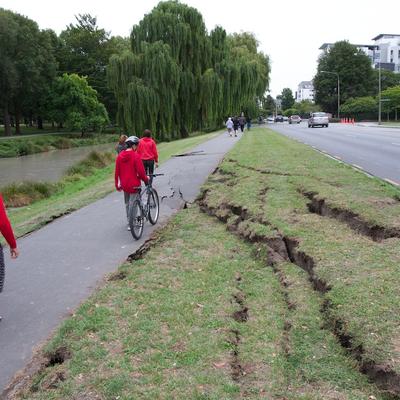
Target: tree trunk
(7,122)
(39,122)
(17,120)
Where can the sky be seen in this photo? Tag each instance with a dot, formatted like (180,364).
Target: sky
(290,31)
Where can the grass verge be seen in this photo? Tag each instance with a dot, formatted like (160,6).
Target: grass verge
(338,225)
(77,190)
(16,147)
(199,316)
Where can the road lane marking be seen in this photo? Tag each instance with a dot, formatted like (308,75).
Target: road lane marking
(339,158)
(357,166)
(392,182)
(396,144)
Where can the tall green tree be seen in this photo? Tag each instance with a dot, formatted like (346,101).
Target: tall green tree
(287,99)
(355,74)
(392,97)
(178,78)
(86,50)
(27,66)
(75,104)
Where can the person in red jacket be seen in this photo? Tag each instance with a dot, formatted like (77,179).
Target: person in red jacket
(129,172)
(148,151)
(7,232)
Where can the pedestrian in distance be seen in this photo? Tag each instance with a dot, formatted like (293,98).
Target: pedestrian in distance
(148,152)
(248,121)
(121,146)
(242,122)
(229,126)
(8,234)
(129,172)
(236,125)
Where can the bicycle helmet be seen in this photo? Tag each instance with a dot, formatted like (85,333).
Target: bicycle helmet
(131,141)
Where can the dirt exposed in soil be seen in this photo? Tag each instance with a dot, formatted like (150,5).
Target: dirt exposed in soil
(282,248)
(375,232)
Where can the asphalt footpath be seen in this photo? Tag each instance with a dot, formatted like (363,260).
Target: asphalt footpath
(61,264)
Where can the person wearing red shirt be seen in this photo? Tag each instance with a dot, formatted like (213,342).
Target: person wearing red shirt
(129,172)
(7,232)
(148,151)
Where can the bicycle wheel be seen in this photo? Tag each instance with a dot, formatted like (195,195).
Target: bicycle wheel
(136,219)
(153,206)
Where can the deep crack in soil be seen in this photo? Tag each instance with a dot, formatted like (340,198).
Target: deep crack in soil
(375,232)
(282,248)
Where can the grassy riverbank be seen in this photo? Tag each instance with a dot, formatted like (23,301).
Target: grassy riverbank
(76,190)
(285,286)
(16,147)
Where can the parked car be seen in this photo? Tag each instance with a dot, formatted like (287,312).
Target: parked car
(318,119)
(279,118)
(270,118)
(294,119)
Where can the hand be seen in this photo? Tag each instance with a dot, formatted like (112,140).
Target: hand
(14,253)
(156,164)
(119,188)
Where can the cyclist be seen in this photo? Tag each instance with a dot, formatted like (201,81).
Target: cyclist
(148,152)
(7,232)
(129,171)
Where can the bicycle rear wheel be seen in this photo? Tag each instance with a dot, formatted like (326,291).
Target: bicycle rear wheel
(153,206)
(136,220)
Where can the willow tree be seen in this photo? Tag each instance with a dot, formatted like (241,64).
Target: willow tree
(178,78)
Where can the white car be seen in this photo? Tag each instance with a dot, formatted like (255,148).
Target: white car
(318,119)
(270,118)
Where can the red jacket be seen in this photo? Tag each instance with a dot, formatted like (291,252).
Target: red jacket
(5,226)
(147,149)
(129,171)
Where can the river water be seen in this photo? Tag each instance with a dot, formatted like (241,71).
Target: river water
(49,166)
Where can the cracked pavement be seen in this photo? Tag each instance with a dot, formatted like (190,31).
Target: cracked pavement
(62,263)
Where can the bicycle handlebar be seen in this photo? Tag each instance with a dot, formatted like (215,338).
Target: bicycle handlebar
(156,175)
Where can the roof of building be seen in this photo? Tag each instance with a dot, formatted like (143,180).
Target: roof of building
(381,35)
(369,46)
(304,84)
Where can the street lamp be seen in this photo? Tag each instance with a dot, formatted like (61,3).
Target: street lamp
(338,90)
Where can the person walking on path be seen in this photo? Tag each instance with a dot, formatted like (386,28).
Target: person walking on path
(242,122)
(129,172)
(229,126)
(121,146)
(8,234)
(248,121)
(148,152)
(236,125)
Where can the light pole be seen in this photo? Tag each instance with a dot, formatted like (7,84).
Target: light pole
(338,90)
(379,94)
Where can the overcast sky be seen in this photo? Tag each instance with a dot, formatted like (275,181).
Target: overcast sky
(290,31)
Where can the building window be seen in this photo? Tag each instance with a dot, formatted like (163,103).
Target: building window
(391,52)
(391,60)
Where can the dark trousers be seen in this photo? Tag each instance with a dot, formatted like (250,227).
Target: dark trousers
(2,269)
(149,168)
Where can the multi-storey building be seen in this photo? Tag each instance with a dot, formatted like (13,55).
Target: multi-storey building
(385,52)
(305,91)
(389,51)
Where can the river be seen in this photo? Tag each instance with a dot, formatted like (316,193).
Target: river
(49,166)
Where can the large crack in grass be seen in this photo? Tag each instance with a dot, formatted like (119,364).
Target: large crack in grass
(376,232)
(285,248)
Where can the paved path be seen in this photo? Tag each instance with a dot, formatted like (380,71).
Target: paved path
(375,150)
(62,263)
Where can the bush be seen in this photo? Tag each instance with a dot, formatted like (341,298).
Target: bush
(24,193)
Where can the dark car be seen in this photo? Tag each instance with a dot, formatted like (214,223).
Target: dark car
(279,118)
(294,119)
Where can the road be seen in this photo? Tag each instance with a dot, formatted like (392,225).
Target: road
(376,150)
(61,264)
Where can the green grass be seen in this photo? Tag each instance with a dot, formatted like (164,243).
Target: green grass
(270,173)
(76,190)
(16,147)
(166,330)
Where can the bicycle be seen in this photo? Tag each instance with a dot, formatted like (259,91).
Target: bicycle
(141,210)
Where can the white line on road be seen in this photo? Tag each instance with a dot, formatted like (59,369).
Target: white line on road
(339,158)
(392,182)
(396,144)
(357,166)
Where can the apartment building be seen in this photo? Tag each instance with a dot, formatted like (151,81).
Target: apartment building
(305,91)
(385,51)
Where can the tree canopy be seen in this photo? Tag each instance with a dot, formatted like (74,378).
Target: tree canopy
(355,75)
(178,78)
(287,99)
